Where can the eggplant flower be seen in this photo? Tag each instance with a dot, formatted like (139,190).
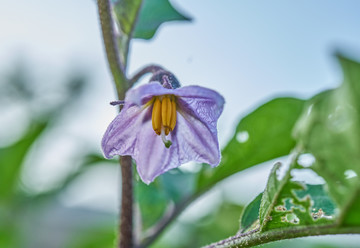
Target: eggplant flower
(163,126)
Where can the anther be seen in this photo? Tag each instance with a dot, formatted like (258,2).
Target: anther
(156,116)
(166,111)
(173,114)
(164,116)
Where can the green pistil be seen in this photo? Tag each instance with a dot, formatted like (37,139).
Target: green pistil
(167,143)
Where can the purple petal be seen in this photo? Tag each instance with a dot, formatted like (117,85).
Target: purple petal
(191,141)
(151,156)
(120,136)
(191,94)
(203,104)
(144,93)
(195,141)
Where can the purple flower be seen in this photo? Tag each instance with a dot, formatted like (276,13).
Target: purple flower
(162,128)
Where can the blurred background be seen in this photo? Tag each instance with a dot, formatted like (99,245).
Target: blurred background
(55,89)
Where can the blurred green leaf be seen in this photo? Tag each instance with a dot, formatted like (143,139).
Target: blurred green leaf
(250,214)
(330,131)
(126,12)
(152,201)
(163,194)
(178,185)
(152,14)
(11,161)
(93,158)
(12,158)
(8,234)
(217,224)
(94,237)
(262,135)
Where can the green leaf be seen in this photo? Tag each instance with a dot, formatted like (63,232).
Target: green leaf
(152,201)
(262,135)
(271,192)
(319,196)
(140,19)
(304,201)
(12,158)
(292,211)
(178,185)
(93,158)
(251,213)
(330,131)
(93,237)
(165,192)
(217,224)
(126,12)
(152,14)
(11,161)
(287,203)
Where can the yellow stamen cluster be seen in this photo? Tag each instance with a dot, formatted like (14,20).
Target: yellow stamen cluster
(164,114)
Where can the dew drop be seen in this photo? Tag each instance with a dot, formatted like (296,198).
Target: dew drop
(242,136)
(306,160)
(350,174)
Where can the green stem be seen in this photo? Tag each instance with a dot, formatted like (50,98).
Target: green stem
(111,47)
(251,239)
(122,85)
(126,215)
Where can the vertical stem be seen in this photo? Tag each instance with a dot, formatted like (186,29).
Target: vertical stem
(111,47)
(121,82)
(126,215)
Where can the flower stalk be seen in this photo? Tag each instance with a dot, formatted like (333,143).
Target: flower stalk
(148,69)
(122,84)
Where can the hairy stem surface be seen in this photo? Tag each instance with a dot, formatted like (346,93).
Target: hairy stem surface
(118,72)
(255,238)
(126,215)
(111,47)
(148,69)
